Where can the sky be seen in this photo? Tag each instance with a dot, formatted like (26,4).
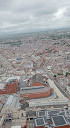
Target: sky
(28,15)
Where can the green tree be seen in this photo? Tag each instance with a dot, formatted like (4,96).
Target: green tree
(54,76)
(67,73)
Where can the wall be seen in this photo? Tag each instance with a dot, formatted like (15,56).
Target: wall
(36,95)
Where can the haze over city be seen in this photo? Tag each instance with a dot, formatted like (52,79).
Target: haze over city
(31,15)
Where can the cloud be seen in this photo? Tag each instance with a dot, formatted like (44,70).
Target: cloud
(33,14)
(60,13)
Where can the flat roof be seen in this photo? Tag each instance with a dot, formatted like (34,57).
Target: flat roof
(34,89)
(59,121)
(39,122)
(31,113)
(52,118)
(42,113)
(53,112)
(16,127)
(12,101)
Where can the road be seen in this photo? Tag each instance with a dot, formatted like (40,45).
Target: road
(57,84)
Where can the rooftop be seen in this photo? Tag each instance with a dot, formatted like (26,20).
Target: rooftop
(37,78)
(16,127)
(12,101)
(50,118)
(2,86)
(11,81)
(34,89)
(59,121)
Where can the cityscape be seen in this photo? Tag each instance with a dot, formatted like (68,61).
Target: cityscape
(34,63)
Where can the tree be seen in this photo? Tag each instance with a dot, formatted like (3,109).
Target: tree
(67,73)
(54,76)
